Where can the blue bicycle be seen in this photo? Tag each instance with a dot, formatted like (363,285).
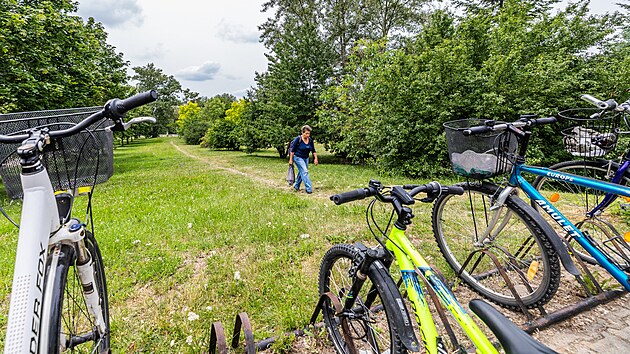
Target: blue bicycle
(593,133)
(495,242)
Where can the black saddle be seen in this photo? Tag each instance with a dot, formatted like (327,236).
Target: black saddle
(512,338)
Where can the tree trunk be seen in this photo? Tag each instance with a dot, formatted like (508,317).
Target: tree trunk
(282,151)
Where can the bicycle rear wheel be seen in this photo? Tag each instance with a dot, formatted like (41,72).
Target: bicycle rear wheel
(71,327)
(517,244)
(574,202)
(372,329)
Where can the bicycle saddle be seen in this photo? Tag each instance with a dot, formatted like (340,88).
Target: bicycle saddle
(513,339)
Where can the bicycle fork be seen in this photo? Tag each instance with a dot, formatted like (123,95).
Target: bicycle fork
(376,260)
(74,233)
(492,230)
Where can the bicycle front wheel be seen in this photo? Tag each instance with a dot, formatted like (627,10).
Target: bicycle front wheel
(71,327)
(369,327)
(515,255)
(574,202)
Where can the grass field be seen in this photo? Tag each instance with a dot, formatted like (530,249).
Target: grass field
(191,236)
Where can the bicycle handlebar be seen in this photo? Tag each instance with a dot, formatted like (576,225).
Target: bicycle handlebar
(114,109)
(431,189)
(351,196)
(118,108)
(605,105)
(436,188)
(608,105)
(523,122)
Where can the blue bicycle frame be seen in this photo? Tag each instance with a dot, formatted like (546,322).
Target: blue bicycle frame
(609,198)
(516,179)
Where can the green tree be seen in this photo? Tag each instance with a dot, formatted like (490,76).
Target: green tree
(191,124)
(196,118)
(384,17)
(390,107)
(225,133)
(170,96)
(300,65)
(50,58)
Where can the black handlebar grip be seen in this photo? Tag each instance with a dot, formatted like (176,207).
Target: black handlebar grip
(455,190)
(346,197)
(546,120)
(136,101)
(116,108)
(477,130)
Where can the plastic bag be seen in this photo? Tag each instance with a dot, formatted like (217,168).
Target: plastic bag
(291,175)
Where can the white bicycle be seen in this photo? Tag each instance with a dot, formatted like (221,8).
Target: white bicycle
(59,294)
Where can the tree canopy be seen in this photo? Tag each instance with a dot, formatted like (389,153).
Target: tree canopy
(377,79)
(50,58)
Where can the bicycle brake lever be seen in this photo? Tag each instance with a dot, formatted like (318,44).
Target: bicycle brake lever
(137,120)
(402,195)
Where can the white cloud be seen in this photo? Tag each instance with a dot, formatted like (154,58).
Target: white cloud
(204,72)
(151,53)
(236,33)
(112,13)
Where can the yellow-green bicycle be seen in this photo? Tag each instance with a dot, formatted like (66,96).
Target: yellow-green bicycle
(362,305)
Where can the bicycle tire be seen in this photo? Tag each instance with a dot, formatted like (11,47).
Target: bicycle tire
(517,245)
(575,201)
(375,321)
(70,319)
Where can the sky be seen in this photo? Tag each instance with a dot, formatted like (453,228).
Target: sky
(210,46)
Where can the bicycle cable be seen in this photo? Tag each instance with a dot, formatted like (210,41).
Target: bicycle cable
(8,217)
(89,216)
(370,212)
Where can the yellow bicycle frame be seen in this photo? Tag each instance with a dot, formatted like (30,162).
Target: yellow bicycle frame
(409,260)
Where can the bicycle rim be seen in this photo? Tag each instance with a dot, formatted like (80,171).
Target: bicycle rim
(517,245)
(369,328)
(574,202)
(72,329)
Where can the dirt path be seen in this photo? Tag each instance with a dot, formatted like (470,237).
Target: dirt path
(268,182)
(214,165)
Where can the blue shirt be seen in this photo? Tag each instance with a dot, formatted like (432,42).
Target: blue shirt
(300,149)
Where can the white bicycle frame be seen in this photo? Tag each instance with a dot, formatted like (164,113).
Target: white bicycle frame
(41,232)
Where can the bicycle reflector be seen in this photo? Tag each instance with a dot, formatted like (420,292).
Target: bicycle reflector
(84,190)
(554,197)
(533,269)
(626,236)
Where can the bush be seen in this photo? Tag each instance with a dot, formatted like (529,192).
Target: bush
(390,107)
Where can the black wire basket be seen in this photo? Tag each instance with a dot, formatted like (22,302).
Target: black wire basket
(81,160)
(479,156)
(588,136)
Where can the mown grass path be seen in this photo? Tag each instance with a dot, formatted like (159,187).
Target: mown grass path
(187,152)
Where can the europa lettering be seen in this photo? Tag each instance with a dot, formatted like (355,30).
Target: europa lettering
(559,176)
